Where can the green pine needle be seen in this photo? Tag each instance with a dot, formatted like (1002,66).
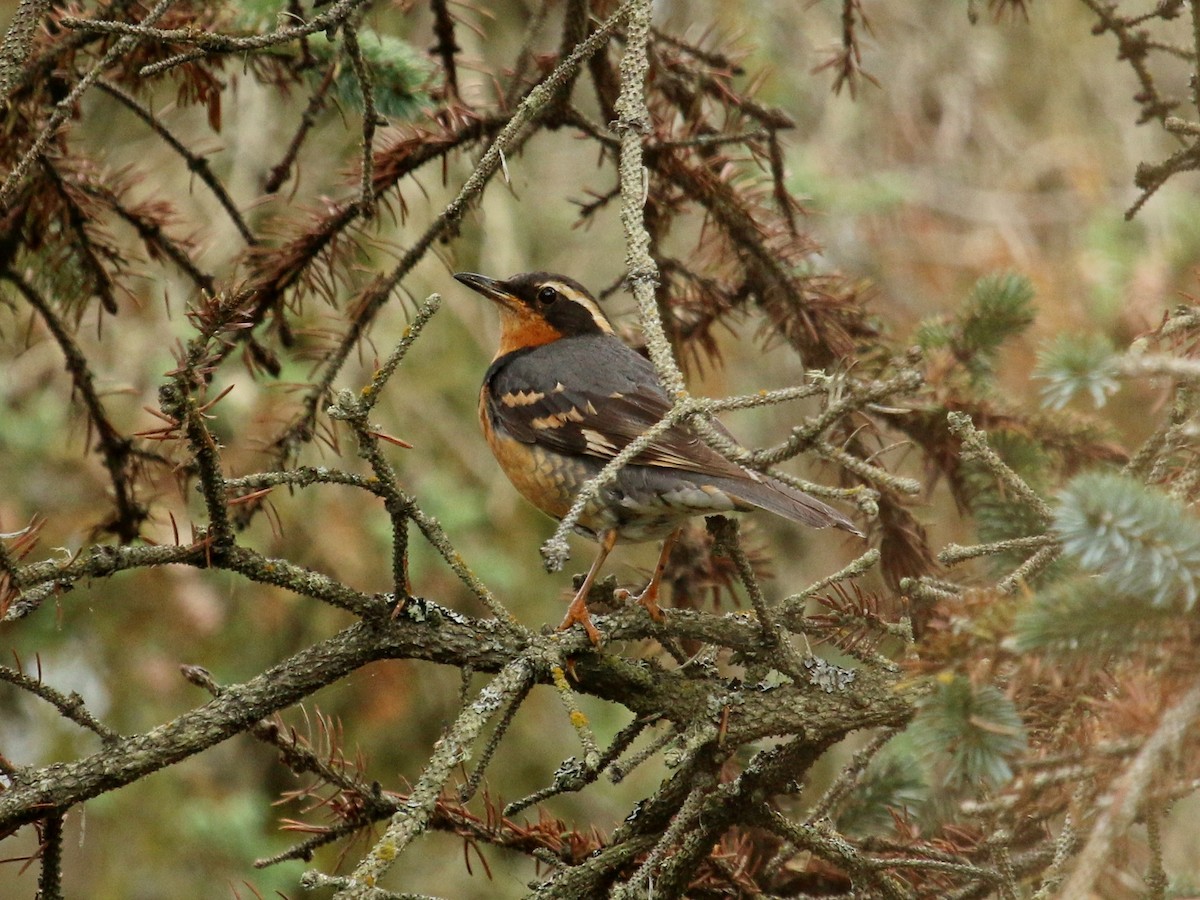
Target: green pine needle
(1082,616)
(969,733)
(1138,540)
(1075,365)
(400,74)
(934,334)
(893,781)
(998,308)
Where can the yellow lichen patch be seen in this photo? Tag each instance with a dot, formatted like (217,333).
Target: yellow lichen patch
(560,678)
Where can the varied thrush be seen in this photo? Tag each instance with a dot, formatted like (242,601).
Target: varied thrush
(564,395)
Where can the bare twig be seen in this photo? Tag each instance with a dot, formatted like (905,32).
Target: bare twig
(114,448)
(366,199)
(195,163)
(65,106)
(452,749)
(216,43)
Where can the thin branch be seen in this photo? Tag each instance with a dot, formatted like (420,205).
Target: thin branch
(60,785)
(282,170)
(40,581)
(571,778)
(150,231)
(452,748)
(446,47)
(195,163)
(70,706)
(216,43)
(362,72)
(50,878)
(66,106)
(115,449)
(632,125)
(87,251)
(684,821)
(975,447)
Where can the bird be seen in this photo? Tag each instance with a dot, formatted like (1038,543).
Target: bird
(564,394)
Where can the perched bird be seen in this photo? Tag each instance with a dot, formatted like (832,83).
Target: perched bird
(564,395)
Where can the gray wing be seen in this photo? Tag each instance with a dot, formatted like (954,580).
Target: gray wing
(619,399)
(598,415)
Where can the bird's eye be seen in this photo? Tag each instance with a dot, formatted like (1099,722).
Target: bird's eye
(547,295)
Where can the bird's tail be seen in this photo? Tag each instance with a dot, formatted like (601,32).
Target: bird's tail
(774,496)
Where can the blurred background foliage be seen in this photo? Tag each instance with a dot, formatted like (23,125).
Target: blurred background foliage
(1008,145)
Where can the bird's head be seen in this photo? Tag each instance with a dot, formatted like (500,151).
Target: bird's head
(538,307)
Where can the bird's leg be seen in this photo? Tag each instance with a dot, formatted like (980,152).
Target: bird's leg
(578,611)
(649,597)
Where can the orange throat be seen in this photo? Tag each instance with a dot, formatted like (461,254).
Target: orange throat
(520,329)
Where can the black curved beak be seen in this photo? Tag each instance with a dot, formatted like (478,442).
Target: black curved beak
(492,288)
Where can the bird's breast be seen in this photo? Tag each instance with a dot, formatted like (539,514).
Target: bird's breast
(546,479)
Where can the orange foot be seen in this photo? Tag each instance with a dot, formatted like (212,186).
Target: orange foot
(577,612)
(649,599)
